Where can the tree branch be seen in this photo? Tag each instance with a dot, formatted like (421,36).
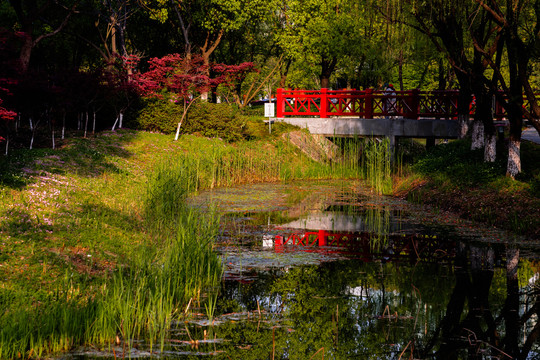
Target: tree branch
(496,16)
(58,29)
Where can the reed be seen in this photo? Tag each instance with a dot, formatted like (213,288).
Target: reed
(146,295)
(378,165)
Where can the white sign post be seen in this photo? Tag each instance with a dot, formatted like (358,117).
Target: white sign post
(269,112)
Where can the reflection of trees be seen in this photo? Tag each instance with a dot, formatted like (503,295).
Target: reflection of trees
(474,309)
(469,325)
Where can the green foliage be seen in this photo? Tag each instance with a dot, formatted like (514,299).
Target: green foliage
(456,162)
(214,120)
(168,188)
(159,115)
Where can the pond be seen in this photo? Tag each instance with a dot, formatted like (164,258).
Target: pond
(326,270)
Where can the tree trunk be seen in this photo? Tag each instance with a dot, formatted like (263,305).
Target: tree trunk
(206,51)
(26,52)
(463,121)
(63,124)
(490,149)
(325,82)
(284,73)
(477,135)
(400,70)
(86,124)
(513,166)
(327,68)
(511,306)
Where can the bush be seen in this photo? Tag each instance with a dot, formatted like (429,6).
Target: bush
(214,120)
(159,115)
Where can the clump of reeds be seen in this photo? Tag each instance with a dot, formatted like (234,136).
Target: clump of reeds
(378,165)
(146,295)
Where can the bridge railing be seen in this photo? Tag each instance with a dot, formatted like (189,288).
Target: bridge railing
(369,104)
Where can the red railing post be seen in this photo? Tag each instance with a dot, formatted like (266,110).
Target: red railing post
(368,104)
(322,237)
(324,103)
(280,103)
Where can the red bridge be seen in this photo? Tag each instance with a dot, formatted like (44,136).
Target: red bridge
(369,104)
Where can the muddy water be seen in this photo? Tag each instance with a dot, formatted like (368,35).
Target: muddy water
(327,271)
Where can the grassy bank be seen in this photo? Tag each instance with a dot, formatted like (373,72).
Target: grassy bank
(451,177)
(96,245)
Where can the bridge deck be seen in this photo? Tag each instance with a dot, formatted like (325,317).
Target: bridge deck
(390,127)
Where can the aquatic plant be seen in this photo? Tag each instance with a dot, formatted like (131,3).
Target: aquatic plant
(165,274)
(377,158)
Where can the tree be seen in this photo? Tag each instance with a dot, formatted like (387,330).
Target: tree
(519,23)
(320,33)
(204,23)
(177,78)
(39,20)
(451,26)
(8,78)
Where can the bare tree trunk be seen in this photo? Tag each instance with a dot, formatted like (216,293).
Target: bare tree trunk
(207,50)
(94,123)
(53,142)
(32,129)
(115,122)
(63,124)
(7,145)
(86,125)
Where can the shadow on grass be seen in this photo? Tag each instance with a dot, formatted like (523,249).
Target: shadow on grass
(88,157)
(460,165)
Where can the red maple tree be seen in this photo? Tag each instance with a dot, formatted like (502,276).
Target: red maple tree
(183,79)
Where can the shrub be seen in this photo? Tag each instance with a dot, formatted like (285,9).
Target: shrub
(159,115)
(214,120)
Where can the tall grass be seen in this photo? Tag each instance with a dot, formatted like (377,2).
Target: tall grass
(146,295)
(378,165)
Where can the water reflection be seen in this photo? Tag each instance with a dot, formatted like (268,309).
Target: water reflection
(473,308)
(404,291)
